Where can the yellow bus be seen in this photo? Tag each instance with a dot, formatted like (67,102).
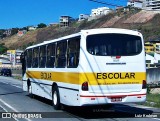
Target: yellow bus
(92,67)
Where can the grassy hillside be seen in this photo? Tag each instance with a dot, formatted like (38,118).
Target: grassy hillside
(146,22)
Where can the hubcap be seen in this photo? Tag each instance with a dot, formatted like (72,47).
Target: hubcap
(55,98)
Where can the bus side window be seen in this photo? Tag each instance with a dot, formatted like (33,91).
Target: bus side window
(73,52)
(42,56)
(61,54)
(50,56)
(29,58)
(35,57)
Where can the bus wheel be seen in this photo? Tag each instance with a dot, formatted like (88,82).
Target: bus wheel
(56,98)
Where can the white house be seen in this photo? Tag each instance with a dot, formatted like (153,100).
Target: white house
(145,4)
(100,11)
(135,3)
(152,4)
(31,28)
(65,21)
(83,17)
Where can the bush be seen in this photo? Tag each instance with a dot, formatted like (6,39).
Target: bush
(148,90)
(3,49)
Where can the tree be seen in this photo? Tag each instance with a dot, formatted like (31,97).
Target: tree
(14,31)
(2,31)
(3,49)
(41,25)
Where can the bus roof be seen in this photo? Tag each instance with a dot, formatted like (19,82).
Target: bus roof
(112,30)
(91,31)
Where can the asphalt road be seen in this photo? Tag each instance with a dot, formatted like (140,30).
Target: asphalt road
(18,105)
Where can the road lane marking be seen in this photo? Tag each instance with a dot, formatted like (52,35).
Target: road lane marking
(12,84)
(16,86)
(156,119)
(12,108)
(5,82)
(3,108)
(7,111)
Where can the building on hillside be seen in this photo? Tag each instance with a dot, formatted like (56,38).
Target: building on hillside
(21,32)
(4,61)
(14,57)
(122,9)
(83,17)
(100,11)
(152,4)
(31,28)
(65,21)
(145,4)
(7,32)
(53,24)
(135,3)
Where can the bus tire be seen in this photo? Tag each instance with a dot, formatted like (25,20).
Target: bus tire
(56,98)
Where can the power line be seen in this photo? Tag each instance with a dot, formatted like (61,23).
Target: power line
(122,0)
(105,3)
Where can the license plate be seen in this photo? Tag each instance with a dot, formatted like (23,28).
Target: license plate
(117,99)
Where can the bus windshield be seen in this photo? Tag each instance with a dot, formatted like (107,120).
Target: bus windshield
(114,44)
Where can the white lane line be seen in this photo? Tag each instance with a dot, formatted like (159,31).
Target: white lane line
(5,82)
(6,104)
(16,86)
(6,110)
(156,119)
(3,108)
(12,85)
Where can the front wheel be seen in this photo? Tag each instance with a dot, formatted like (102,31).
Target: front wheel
(56,98)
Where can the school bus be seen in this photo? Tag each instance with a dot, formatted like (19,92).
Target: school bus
(92,67)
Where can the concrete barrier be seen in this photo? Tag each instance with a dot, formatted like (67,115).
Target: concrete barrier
(153,75)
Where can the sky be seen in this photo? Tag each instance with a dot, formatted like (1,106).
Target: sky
(22,13)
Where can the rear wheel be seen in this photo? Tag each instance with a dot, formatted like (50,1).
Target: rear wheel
(56,98)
